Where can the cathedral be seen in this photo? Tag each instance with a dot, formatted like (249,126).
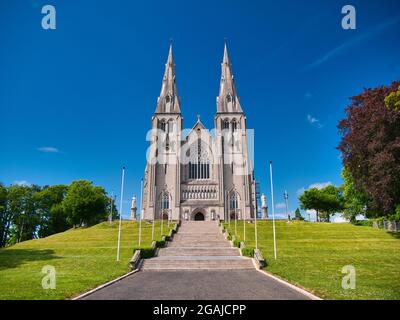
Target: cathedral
(198,174)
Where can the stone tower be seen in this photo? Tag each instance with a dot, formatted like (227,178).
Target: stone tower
(201,175)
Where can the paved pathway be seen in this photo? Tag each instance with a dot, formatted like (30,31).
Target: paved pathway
(197,285)
(198,264)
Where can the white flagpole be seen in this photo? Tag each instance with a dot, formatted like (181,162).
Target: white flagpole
(162,222)
(120,212)
(154,213)
(273,207)
(244,210)
(235,217)
(140,212)
(255,229)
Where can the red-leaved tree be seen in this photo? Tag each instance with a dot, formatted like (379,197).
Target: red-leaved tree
(370,146)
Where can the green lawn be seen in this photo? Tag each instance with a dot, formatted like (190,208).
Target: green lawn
(312,255)
(83,258)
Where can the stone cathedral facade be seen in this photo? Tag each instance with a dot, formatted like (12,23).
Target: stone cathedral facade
(198,174)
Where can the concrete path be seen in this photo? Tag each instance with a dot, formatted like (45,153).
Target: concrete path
(197,285)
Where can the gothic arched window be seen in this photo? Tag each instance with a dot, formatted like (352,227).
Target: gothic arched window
(234,125)
(225,124)
(162,125)
(164,200)
(233,200)
(199,164)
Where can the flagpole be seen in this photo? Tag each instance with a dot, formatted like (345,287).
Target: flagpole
(120,212)
(235,217)
(162,221)
(244,210)
(140,212)
(255,229)
(154,213)
(273,207)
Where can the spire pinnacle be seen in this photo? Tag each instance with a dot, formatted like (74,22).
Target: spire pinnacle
(228,100)
(170,56)
(168,101)
(226,56)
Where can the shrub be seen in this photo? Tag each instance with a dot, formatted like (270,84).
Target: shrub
(248,252)
(365,223)
(160,243)
(146,253)
(236,243)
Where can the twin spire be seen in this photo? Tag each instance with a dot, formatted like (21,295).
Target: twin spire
(227,101)
(168,101)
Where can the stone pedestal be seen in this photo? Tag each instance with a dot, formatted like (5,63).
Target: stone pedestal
(133,214)
(264,213)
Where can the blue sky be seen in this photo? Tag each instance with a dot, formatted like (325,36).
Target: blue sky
(69,97)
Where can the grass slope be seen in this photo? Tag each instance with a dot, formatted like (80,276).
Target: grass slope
(84,258)
(312,255)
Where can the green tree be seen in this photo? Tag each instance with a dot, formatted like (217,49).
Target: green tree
(53,218)
(22,207)
(5,217)
(355,203)
(297,214)
(392,101)
(325,201)
(85,204)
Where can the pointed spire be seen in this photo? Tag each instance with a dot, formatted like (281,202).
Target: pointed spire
(168,101)
(226,56)
(228,100)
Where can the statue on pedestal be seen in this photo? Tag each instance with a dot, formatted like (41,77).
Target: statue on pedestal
(133,208)
(264,207)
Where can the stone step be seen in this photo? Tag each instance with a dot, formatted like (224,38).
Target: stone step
(200,243)
(201,251)
(193,263)
(188,238)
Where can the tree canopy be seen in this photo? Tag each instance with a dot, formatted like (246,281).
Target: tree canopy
(28,212)
(370,147)
(325,201)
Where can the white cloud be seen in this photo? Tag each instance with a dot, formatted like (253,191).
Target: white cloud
(314,121)
(338,218)
(48,150)
(22,183)
(280,205)
(318,185)
(300,191)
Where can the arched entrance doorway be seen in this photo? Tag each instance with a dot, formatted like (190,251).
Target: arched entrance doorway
(199,216)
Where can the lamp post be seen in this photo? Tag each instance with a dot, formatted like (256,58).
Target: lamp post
(286,197)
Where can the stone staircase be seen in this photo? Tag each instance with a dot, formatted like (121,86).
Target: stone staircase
(198,245)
